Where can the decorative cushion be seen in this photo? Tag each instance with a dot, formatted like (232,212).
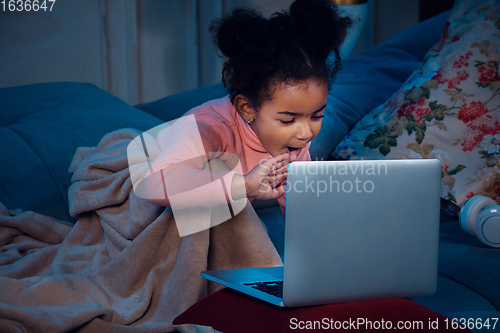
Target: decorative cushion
(448,109)
(370,78)
(231,311)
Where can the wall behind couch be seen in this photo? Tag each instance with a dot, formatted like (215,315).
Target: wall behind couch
(141,50)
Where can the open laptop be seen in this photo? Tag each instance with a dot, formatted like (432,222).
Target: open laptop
(355,231)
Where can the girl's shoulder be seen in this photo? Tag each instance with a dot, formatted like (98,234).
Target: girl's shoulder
(216,113)
(217,123)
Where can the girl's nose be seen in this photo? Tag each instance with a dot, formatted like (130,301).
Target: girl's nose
(304,132)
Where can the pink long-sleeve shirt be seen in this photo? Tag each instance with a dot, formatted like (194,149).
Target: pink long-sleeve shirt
(182,158)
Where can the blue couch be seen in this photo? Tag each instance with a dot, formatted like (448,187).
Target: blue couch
(43,124)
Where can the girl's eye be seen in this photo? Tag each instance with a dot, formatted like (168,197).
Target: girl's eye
(291,121)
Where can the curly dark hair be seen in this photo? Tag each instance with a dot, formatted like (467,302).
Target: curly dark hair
(288,48)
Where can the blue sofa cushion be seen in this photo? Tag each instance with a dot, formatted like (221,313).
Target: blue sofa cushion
(468,278)
(174,106)
(41,125)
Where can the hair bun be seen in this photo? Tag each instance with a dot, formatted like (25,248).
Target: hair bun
(244,32)
(288,48)
(320,24)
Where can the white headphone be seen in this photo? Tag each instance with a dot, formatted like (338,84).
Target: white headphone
(480,216)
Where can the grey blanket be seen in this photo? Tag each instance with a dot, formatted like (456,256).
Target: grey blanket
(122,266)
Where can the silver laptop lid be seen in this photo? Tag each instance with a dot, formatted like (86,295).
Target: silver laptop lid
(361,230)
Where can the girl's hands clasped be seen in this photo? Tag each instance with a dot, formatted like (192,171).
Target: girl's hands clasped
(268,179)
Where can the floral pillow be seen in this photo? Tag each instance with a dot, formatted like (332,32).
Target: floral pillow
(448,109)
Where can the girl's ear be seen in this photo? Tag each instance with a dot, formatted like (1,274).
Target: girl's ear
(244,108)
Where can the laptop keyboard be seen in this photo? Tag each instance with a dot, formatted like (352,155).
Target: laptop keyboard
(274,288)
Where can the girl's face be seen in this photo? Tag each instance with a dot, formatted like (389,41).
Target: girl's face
(292,118)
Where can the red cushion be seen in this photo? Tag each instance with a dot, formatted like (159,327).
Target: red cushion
(231,311)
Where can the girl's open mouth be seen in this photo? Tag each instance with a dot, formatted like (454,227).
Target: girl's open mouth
(294,151)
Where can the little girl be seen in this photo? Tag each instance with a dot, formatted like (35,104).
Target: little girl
(279,78)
